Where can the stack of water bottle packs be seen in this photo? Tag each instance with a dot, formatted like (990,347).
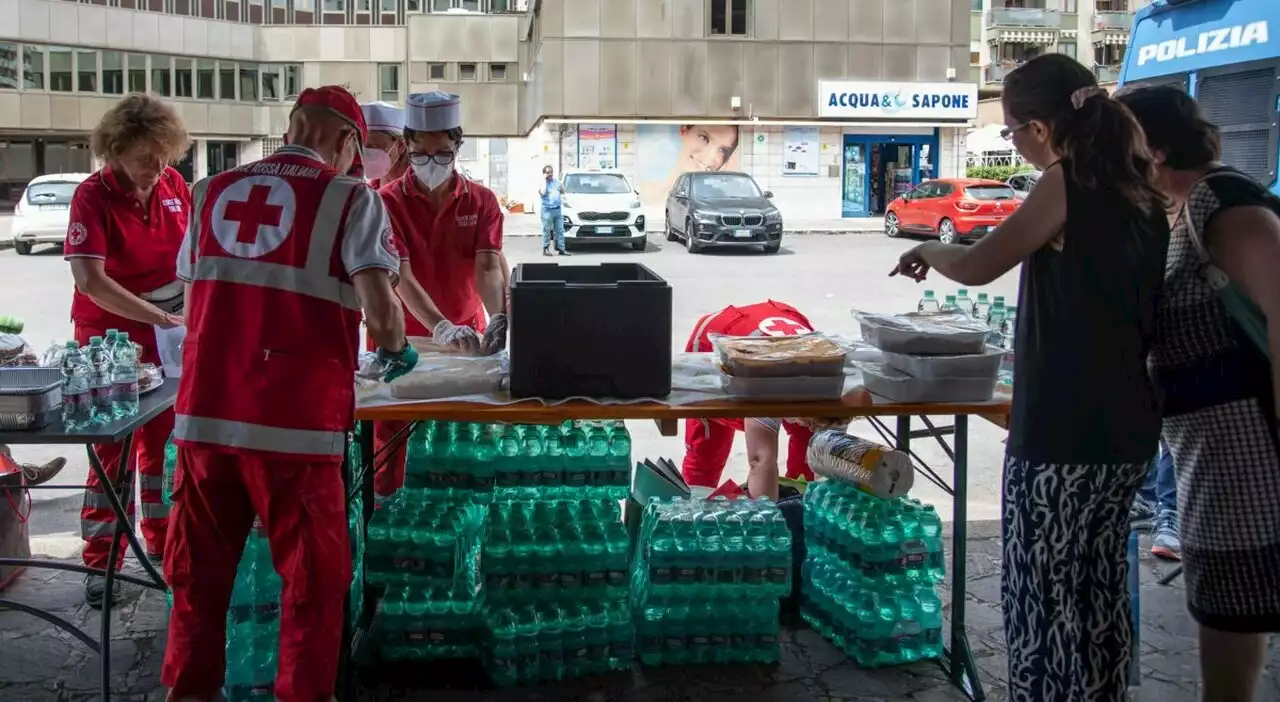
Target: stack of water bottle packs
(557,555)
(940,353)
(707,580)
(355,527)
(870,573)
(253,623)
(483,462)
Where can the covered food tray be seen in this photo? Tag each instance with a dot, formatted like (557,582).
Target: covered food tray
(30,397)
(897,386)
(933,334)
(794,389)
(810,355)
(978,365)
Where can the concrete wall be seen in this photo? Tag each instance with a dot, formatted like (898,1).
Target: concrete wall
(655,57)
(463,54)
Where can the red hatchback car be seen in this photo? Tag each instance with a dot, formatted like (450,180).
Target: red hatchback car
(953,209)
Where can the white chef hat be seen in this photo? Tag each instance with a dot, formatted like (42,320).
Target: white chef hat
(383,117)
(432,112)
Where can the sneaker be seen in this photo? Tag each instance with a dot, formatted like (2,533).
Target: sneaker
(157,560)
(95,587)
(1164,542)
(546,251)
(1142,514)
(564,252)
(39,475)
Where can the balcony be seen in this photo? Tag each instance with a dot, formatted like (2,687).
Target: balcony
(1019,17)
(1111,28)
(1107,74)
(994,74)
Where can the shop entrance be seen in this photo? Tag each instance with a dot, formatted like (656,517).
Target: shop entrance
(879,168)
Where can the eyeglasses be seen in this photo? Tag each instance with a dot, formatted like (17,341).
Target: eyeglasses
(1008,132)
(442,158)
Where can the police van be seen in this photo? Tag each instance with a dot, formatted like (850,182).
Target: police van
(1223,53)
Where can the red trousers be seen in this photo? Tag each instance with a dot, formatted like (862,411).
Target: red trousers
(707,443)
(97,520)
(302,507)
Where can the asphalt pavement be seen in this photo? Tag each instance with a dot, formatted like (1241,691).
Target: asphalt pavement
(823,276)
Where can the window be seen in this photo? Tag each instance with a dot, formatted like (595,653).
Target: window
(473,5)
(249,82)
(162,75)
(292,80)
(388,6)
(271,83)
(497,71)
(1069,5)
(362,5)
(204,80)
(112,73)
(60,59)
(466,71)
(335,5)
(8,66)
(1068,48)
(183,82)
(413,6)
(221,156)
(226,81)
(33,67)
(440,5)
(137,73)
(389,82)
(87,71)
(729,17)
(975,5)
(304,6)
(975,57)
(435,71)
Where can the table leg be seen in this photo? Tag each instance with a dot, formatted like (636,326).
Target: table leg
(959,659)
(123,527)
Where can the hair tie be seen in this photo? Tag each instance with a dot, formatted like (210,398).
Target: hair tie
(1082,95)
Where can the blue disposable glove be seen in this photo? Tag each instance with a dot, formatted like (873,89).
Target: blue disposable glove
(398,363)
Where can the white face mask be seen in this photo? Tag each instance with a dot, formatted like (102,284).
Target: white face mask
(376,163)
(432,174)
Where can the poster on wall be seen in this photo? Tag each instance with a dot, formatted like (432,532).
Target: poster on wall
(597,146)
(665,151)
(800,151)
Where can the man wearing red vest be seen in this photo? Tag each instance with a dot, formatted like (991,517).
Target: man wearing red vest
(708,442)
(280,259)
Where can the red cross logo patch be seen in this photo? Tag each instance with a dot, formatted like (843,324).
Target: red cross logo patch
(781,326)
(253,216)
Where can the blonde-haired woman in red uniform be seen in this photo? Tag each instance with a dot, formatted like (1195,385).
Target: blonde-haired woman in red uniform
(127,223)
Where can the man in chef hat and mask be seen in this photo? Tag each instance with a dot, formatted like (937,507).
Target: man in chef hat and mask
(453,276)
(384,158)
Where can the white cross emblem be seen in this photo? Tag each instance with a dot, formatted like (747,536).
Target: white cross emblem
(254,216)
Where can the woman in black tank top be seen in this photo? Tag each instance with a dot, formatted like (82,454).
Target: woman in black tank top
(1092,239)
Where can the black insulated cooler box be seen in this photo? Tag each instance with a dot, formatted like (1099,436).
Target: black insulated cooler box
(589,331)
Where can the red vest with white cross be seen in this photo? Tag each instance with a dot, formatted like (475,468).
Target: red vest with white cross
(767,318)
(273,318)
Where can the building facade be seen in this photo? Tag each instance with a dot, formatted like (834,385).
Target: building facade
(834,105)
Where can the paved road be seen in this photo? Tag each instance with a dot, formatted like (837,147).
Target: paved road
(824,276)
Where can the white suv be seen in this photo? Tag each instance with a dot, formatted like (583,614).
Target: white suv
(43,211)
(601,206)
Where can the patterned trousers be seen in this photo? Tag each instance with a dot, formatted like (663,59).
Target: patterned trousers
(1064,586)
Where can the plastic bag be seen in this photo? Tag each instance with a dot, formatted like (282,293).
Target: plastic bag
(15,352)
(440,375)
(932,334)
(812,355)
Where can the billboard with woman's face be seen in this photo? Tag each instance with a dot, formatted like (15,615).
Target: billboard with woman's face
(664,151)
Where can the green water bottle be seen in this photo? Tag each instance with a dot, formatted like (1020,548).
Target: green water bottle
(599,469)
(619,461)
(577,468)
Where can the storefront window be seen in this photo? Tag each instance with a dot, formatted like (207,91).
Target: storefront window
(87,71)
(60,75)
(33,67)
(137,73)
(8,66)
(226,80)
(112,72)
(183,83)
(162,75)
(205,71)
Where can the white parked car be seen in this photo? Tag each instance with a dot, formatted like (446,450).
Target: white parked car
(1023,183)
(43,210)
(601,206)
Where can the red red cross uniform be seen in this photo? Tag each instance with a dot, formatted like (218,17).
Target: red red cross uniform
(138,246)
(264,404)
(707,442)
(441,245)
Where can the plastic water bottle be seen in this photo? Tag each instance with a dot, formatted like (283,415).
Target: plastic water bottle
(964,303)
(599,469)
(1010,326)
(949,305)
(996,325)
(928,304)
(619,460)
(982,307)
(77,399)
(124,378)
(577,469)
(100,382)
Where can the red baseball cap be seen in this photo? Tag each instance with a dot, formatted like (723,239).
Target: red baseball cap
(336,99)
